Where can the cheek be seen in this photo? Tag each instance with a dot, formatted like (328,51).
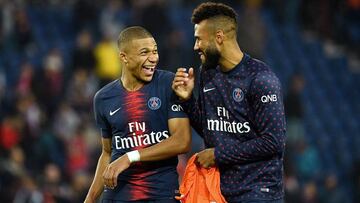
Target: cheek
(203,46)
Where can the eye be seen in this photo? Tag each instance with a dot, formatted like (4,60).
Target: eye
(155,51)
(143,53)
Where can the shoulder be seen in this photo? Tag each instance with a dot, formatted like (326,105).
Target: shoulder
(163,76)
(262,75)
(106,91)
(257,66)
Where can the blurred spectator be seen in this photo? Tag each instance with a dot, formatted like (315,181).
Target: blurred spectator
(308,164)
(9,179)
(294,110)
(310,193)
(80,90)
(252,31)
(2,92)
(25,81)
(66,122)
(16,162)
(80,185)
(32,115)
(7,8)
(49,148)
(332,192)
(83,56)
(22,30)
(9,132)
(28,192)
(51,82)
(292,188)
(110,19)
(77,153)
(107,60)
(54,187)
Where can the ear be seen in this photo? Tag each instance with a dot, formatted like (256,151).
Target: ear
(122,56)
(219,37)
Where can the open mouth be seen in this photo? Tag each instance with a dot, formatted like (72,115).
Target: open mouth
(201,54)
(149,70)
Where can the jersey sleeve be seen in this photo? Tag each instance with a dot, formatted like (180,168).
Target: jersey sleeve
(175,109)
(269,123)
(100,119)
(192,108)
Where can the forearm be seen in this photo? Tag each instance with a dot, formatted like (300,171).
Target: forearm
(97,185)
(178,143)
(192,109)
(253,150)
(166,149)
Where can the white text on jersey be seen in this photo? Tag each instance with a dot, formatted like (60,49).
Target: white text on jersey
(226,126)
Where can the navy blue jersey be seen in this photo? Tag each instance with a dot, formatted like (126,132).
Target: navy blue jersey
(240,113)
(135,120)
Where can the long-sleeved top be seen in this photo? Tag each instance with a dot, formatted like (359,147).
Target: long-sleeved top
(241,114)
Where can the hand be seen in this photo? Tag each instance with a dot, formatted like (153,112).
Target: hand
(206,158)
(183,83)
(114,169)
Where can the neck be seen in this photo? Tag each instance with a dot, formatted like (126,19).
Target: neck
(131,83)
(230,56)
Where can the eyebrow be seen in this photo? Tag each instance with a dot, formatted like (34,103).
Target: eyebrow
(147,49)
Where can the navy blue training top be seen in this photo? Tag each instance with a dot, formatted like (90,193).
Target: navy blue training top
(241,114)
(135,120)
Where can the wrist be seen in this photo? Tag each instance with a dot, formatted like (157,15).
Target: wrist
(133,156)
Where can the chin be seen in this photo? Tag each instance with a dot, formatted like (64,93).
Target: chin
(147,79)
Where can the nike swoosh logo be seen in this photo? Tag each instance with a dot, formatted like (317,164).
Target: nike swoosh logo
(208,90)
(113,112)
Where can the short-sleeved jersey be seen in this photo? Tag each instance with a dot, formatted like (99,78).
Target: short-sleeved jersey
(135,120)
(240,113)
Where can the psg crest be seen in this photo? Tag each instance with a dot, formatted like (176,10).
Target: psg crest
(238,95)
(154,103)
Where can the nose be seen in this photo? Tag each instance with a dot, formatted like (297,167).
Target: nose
(196,46)
(153,58)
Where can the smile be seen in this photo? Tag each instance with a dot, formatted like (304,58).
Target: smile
(148,69)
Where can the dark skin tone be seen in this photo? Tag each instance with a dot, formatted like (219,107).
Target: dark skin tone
(230,55)
(138,60)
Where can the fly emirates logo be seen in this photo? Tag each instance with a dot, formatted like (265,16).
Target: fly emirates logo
(223,125)
(136,139)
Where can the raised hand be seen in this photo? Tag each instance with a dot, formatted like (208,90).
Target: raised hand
(183,83)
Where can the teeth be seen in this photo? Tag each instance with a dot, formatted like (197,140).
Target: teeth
(149,68)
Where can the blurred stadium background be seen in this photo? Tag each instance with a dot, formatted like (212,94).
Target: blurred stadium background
(54,55)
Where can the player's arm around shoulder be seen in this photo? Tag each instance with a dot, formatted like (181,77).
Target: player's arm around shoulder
(97,185)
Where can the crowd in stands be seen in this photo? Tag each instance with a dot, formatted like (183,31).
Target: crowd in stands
(55,55)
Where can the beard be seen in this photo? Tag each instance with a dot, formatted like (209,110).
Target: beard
(212,56)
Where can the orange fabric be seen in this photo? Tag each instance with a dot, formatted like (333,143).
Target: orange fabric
(200,185)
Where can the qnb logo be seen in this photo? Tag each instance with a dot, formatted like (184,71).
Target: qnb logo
(268,98)
(176,107)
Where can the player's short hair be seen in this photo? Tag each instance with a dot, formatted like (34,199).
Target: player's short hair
(132,33)
(223,16)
